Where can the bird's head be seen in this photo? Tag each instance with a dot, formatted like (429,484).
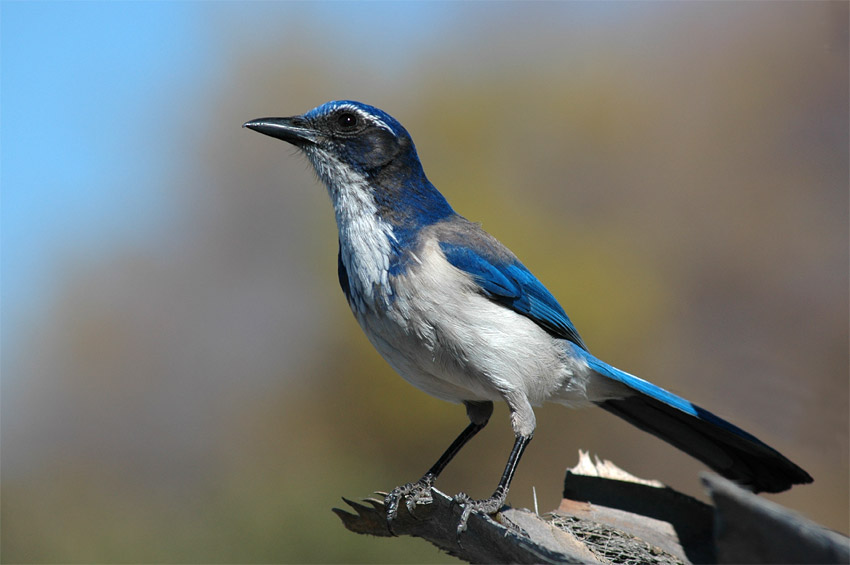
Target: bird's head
(361,151)
(344,137)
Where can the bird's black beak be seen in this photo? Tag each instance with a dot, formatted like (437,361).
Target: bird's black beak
(294,130)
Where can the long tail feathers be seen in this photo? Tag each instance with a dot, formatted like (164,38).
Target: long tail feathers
(725,448)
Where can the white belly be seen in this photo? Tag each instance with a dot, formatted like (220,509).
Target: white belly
(449,340)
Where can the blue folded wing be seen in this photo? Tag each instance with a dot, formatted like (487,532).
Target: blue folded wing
(511,284)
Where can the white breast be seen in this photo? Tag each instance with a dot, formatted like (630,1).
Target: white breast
(446,338)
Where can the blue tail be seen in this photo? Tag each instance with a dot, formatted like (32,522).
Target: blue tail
(725,448)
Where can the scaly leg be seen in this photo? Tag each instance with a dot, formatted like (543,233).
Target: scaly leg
(494,503)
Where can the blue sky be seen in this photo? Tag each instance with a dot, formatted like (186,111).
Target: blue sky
(86,87)
(82,85)
(76,82)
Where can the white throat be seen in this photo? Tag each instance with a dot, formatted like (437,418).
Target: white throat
(365,240)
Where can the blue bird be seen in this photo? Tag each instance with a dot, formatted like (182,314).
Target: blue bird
(456,314)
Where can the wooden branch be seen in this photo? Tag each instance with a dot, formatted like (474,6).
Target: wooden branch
(517,537)
(609,516)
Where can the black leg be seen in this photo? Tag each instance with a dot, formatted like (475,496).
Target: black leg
(479,414)
(420,491)
(495,502)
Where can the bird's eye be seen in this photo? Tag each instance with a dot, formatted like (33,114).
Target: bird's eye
(347,120)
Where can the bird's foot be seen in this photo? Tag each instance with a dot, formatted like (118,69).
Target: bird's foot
(413,495)
(488,506)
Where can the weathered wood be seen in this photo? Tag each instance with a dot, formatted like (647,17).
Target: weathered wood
(751,529)
(594,535)
(609,516)
(507,539)
(603,493)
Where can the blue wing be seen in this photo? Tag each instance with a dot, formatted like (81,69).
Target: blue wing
(722,446)
(507,281)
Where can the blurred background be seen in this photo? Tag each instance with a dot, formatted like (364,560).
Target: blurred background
(182,380)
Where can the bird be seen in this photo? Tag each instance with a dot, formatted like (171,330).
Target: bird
(459,316)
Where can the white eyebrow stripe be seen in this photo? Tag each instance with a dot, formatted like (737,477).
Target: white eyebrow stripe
(366,116)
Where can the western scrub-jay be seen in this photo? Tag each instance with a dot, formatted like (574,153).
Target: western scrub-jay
(456,314)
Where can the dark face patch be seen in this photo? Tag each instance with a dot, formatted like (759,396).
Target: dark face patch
(359,139)
(372,149)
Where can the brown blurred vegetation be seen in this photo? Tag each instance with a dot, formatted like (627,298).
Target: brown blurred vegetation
(677,178)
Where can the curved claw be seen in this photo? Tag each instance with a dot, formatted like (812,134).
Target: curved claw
(413,494)
(418,497)
(487,506)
